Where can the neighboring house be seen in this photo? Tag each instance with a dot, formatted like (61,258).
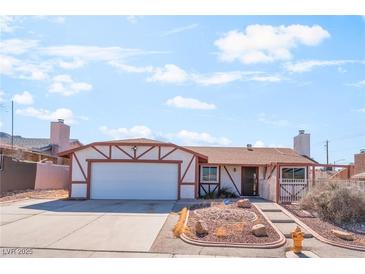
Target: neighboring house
(59,140)
(149,169)
(355,171)
(33,163)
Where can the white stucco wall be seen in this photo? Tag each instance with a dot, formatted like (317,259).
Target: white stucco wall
(78,191)
(187,191)
(235,172)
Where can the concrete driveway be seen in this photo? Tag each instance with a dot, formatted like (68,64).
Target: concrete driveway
(100,225)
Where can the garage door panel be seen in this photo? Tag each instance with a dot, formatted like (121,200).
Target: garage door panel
(134,181)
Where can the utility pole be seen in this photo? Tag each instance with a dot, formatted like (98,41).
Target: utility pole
(326,145)
(12,124)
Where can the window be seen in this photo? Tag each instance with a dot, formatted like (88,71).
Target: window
(209,174)
(293,173)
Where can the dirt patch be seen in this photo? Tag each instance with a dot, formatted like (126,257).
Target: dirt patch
(229,224)
(34,194)
(324,228)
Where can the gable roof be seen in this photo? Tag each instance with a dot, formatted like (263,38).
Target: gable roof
(137,141)
(132,142)
(254,156)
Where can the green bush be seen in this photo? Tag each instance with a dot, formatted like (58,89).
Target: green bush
(335,202)
(223,193)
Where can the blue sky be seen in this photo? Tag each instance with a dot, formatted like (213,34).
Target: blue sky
(200,80)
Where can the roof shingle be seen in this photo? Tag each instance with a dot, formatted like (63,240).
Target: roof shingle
(254,156)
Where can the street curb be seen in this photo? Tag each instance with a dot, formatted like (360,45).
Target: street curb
(318,236)
(277,243)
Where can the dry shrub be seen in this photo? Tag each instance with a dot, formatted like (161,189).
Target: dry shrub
(221,232)
(180,225)
(336,202)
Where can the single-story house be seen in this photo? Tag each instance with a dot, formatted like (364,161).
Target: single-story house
(149,169)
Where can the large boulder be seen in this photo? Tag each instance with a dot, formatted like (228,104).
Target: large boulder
(343,235)
(201,228)
(244,203)
(259,230)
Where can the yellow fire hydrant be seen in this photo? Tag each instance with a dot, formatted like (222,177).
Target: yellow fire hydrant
(298,237)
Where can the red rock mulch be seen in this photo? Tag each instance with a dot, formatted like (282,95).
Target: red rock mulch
(33,194)
(324,228)
(235,222)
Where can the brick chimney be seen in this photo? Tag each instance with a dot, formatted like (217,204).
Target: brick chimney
(60,136)
(302,143)
(359,162)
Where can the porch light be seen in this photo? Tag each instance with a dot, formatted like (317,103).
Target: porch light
(134,148)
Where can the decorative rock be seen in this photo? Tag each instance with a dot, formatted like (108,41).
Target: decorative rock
(343,235)
(244,203)
(201,228)
(259,230)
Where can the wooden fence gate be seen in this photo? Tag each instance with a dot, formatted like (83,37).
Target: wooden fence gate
(292,190)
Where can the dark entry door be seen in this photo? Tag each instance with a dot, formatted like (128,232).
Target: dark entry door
(249,181)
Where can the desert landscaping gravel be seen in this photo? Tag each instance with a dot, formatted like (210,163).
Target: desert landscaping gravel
(235,222)
(34,194)
(324,228)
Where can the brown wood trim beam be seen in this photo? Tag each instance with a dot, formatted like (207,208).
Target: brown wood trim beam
(167,154)
(230,177)
(102,153)
(78,163)
(125,152)
(187,168)
(144,153)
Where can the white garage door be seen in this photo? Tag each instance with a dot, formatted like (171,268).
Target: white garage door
(148,181)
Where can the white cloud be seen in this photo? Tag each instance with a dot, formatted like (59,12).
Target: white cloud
(72,64)
(271,120)
(183,137)
(179,29)
(139,131)
(217,78)
(58,19)
(220,78)
(259,143)
(169,73)
(24,98)
(266,43)
(22,69)
(133,19)
(362,110)
(265,78)
(1,125)
(186,137)
(7,23)
(43,114)
(17,46)
(66,86)
(131,69)
(359,84)
(305,66)
(94,53)
(2,95)
(189,103)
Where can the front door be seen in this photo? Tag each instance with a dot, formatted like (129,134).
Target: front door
(249,181)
